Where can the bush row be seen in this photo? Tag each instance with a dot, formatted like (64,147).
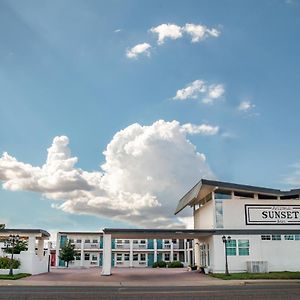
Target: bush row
(5,263)
(163,264)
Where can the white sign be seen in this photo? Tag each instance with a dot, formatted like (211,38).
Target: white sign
(272,214)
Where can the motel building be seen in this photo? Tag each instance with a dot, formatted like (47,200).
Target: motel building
(126,252)
(261,226)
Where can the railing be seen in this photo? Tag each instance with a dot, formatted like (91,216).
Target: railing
(122,246)
(91,246)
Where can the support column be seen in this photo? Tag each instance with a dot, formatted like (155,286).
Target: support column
(40,248)
(31,244)
(185,250)
(106,266)
(155,249)
(82,253)
(172,252)
(131,253)
(197,252)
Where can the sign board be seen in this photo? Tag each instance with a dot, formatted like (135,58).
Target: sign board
(272,214)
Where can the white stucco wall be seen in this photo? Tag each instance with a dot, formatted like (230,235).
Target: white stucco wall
(204,216)
(281,255)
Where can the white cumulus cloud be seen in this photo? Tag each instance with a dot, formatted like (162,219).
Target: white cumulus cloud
(167,31)
(146,170)
(245,106)
(200,32)
(139,49)
(209,93)
(197,32)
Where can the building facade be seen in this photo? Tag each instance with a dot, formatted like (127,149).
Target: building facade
(263,225)
(125,252)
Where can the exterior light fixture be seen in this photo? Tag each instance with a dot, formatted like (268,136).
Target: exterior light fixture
(226,240)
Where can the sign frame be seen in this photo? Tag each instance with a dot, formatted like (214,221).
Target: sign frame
(267,206)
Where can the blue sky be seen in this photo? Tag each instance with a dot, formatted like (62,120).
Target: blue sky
(64,71)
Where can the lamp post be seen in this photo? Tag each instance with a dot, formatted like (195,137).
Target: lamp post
(12,241)
(225,241)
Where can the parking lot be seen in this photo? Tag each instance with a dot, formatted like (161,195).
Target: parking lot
(122,276)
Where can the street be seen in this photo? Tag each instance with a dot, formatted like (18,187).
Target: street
(251,291)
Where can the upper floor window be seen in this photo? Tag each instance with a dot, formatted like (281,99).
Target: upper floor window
(87,241)
(95,241)
(78,241)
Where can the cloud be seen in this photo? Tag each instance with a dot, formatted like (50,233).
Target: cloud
(293,179)
(197,32)
(166,31)
(139,49)
(200,32)
(146,170)
(118,30)
(203,129)
(200,89)
(245,106)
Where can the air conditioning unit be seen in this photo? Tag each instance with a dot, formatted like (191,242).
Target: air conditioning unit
(257,266)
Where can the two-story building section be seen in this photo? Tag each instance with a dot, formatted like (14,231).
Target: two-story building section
(261,226)
(125,252)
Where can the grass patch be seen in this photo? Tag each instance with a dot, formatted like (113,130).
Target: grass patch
(271,275)
(14,277)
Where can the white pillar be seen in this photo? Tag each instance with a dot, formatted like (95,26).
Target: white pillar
(31,244)
(197,252)
(185,251)
(106,264)
(155,249)
(40,248)
(172,251)
(57,250)
(82,253)
(130,253)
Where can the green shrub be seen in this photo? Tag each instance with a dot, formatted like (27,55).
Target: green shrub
(5,263)
(175,264)
(159,264)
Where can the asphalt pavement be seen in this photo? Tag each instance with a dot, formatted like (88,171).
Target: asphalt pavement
(252,291)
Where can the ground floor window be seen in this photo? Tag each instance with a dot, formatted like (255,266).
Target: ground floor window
(94,257)
(135,257)
(231,248)
(77,256)
(143,257)
(119,256)
(126,256)
(297,237)
(167,256)
(276,237)
(243,247)
(86,256)
(175,256)
(289,237)
(266,237)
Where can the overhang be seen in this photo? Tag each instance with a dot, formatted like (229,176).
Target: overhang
(24,232)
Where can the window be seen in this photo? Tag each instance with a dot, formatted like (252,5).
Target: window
(231,247)
(126,242)
(276,237)
(223,195)
(94,257)
(71,241)
(297,237)
(77,256)
(135,257)
(167,257)
(78,241)
(119,257)
(265,237)
(126,256)
(143,242)
(87,241)
(86,256)
(175,256)
(243,247)
(289,237)
(143,257)
(119,241)
(95,241)
(166,241)
(135,241)
(174,241)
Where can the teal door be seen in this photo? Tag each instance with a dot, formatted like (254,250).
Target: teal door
(159,244)
(150,259)
(100,259)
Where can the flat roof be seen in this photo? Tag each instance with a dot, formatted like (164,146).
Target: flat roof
(206,186)
(81,232)
(189,233)
(42,232)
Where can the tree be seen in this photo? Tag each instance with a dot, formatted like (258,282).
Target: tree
(2,226)
(20,246)
(68,252)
